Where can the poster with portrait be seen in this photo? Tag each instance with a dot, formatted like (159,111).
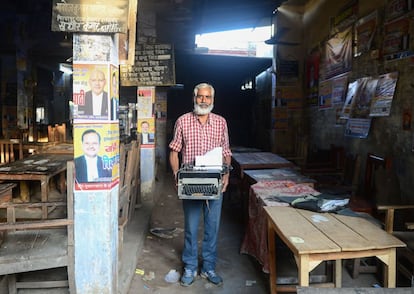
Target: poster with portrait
(160,105)
(146,131)
(90,91)
(384,94)
(145,101)
(338,54)
(365,29)
(96,155)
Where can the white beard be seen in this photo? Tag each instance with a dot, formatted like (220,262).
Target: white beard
(202,110)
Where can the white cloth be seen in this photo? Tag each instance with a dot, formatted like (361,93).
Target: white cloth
(97,104)
(92,168)
(145,138)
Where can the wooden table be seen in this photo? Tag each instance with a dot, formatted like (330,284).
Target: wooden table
(258,160)
(255,236)
(241,149)
(38,167)
(36,147)
(58,148)
(316,237)
(253,176)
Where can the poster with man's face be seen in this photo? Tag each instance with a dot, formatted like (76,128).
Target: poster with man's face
(90,92)
(96,155)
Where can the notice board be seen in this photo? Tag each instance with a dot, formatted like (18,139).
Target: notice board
(154,66)
(90,16)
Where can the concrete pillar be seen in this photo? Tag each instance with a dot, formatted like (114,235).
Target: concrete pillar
(96,129)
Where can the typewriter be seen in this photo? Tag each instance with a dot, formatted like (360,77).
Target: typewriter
(198,183)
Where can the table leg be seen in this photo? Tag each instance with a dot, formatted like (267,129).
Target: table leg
(62,182)
(24,191)
(338,273)
(272,257)
(303,270)
(44,188)
(390,263)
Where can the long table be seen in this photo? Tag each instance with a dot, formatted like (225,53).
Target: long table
(263,194)
(315,237)
(38,167)
(258,160)
(253,176)
(59,148)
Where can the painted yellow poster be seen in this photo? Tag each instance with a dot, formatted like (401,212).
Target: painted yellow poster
(96,153)
(146,130)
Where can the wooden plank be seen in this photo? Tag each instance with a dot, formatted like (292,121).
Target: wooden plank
(370,232)
(298,233)
(337,231)
(70,179)
(132,24)
(32,204)
(42,284)
(133,181)
(32,250)
(5,187)
(311,290)
(43,224)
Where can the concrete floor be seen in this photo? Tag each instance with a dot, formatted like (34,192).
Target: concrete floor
(146,258)
(241,273)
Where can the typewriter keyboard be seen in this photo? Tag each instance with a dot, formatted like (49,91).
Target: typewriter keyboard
(200,189)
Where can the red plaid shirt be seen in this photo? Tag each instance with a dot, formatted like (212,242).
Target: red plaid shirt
(192,138)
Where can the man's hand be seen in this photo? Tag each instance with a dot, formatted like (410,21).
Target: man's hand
(175,176)
(225,181)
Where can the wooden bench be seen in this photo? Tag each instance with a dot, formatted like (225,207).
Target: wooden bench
(8,150)
(6,195)
(39,245)
(128,185)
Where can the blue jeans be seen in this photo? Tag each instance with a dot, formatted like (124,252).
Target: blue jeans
(192,213)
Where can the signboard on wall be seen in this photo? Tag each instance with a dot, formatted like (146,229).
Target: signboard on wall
(90,16)
(154,66)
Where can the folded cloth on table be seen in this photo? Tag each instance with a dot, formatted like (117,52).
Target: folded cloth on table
(320,203)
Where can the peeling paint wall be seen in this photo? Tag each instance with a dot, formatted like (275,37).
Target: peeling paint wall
(96,241)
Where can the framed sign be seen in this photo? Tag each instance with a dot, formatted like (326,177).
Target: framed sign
(154,66)
(90,16)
